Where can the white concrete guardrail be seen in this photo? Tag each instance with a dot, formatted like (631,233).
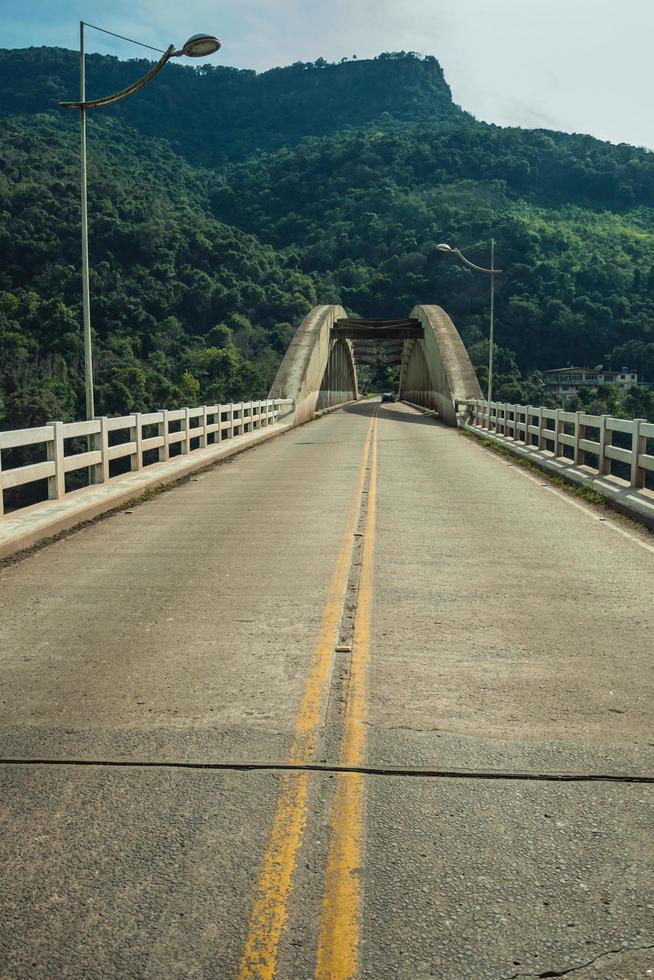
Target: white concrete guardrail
(193,429)
(576,446)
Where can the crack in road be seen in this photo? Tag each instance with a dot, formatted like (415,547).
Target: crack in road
(582,966)
(366,770)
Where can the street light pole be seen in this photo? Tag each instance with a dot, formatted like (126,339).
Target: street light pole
(492,322)
(443,247)
(197,46)
(86,294)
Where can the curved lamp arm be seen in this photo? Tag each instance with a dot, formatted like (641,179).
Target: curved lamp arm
(479,268)
(118,96)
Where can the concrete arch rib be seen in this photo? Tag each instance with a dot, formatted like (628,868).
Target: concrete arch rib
(436,371)
(317,372)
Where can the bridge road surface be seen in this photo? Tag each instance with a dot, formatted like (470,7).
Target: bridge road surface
(496,626)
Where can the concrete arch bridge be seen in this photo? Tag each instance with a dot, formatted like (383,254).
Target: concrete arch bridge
(319,370)
(369,702)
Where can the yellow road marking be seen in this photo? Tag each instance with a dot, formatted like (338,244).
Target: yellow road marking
(270,908)
(338,945)
(269,913)
(309,716)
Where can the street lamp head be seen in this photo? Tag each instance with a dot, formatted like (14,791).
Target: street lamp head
(200,45)
(444,248)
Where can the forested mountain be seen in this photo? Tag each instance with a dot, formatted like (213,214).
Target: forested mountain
(211,115)
(183,306)
(224,204)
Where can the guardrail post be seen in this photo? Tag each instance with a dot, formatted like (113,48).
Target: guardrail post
(637,447)
(185,445)
(55,452)
(557,431)
(540,428)
(527,433)
(136,435)
(219,432)
(603,462)
(101,440)
(204,438)
(580,433)
(2,502)
(164,451)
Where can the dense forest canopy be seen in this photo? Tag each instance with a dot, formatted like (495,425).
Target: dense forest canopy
(224,204)
(213,114)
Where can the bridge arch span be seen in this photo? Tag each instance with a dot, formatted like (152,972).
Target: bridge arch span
(436,371)
(318,370)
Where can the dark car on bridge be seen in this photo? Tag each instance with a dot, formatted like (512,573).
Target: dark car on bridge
(388,396)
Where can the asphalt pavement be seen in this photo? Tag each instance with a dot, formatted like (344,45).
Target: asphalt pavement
(302,716)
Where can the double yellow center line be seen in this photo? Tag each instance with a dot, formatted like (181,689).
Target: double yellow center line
(339,928)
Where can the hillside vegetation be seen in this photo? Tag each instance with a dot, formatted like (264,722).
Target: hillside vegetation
(184,307)
(224,204)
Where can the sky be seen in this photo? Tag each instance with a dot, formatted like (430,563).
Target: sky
(574,65)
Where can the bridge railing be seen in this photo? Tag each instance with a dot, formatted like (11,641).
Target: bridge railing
(620,448)
(140,440)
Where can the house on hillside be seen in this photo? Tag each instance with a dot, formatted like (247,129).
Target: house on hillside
(567,381)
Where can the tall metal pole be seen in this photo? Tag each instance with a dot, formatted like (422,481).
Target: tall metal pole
(196,47)
(86,298)
(492,325)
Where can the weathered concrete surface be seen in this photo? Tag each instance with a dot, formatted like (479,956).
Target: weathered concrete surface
(437,371)
(127,873)
(635,504)
(306,362)
(510,630)
(27,527)
(479,880)
(512,624)
(184,627)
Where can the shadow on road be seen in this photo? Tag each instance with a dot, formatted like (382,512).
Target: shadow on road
(388,411)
